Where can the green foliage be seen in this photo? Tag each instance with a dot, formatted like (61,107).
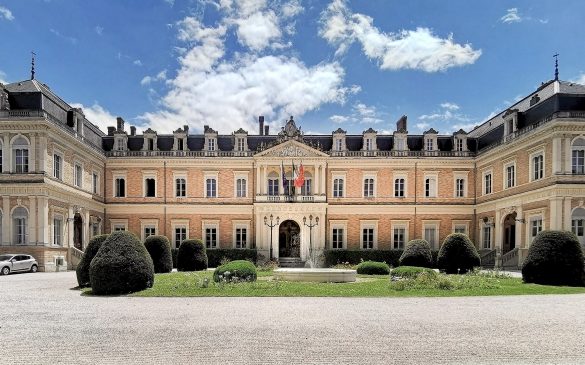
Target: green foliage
(417,253)
(239,270)
(191,256)
(159,249)
(216,256)
(458,254)
(91,250)
(554,258)
(122,265)
(411,271)
(373,268)
(354,257)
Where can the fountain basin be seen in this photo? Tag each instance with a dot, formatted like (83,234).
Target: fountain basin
(315,275)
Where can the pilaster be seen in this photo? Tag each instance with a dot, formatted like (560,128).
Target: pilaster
(32,219)
(70,215)
(43,220)
(6,226)
(32,159)
(568,156)
(556,213)
(6,153)
(567,214)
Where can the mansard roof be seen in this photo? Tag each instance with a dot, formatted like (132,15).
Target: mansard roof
(339,131)
(370,130)
(241,131)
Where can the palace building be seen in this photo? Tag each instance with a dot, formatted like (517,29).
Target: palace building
(286,193)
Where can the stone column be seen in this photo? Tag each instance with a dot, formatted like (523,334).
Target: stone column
(567,219)
(32,160)
(6,226)
(323,179)
(263,181)
(556,213)
(557,165)
(43,222)
(568,156)
(6,153)
(519,228)
(498,237)
(70,216)
(42,154)
(32,220)
(258,179)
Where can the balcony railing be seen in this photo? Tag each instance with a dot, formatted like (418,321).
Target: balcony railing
(179,153)
(291,198)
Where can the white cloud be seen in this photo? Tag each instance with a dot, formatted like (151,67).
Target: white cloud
(3,78)
(338,119)
(137,63)
(99,30)
(97,115)
(6,13)
(422,126)
(448,116)
(450,106)
(417,49)
(69,39)
(579,80)
(161,76)
(258,30)
(170,2)
(511,16)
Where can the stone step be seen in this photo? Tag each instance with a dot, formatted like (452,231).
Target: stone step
(290,262)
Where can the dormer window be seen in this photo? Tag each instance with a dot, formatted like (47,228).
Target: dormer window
(339,140)
(211,144)
(240,140)
(180,136)
(430,140)
(458,144)
(369,145)
(429,145)
(240,145)
(510,121)
(338,144)
(180,144)
(120,144)
(369,138)
(400,144)
(210,139)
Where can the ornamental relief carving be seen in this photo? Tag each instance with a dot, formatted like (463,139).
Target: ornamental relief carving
(289,151)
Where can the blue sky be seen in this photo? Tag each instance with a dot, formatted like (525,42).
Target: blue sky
(349,64)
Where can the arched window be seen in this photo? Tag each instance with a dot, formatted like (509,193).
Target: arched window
(20,155)
(20,225)
(273,184)
(578,156)
(578,224)
(307,188)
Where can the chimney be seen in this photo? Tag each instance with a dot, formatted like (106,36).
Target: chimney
(266,130)
(401,124)
(205,128)
(120,124)
(261,124)
(111,131)
(186,129)
(132,130)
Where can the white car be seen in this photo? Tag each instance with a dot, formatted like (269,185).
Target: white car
(17,263)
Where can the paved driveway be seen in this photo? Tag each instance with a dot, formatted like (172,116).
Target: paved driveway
(44,322)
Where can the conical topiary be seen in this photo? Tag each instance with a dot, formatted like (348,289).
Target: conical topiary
(458,254)
(159,249)
(417,253)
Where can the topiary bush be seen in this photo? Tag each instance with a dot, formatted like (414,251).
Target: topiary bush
(122,265)
(241,269)
(417,253)
(159,249)
(373,268)
(92,248)
(217,255)
(554,258)
(458,254)
(191,256)
(410,272)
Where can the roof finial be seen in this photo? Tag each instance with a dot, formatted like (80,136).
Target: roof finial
(32,68)
(556,56)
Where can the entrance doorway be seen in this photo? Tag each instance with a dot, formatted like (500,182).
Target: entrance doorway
(289,239)
(509,242)
(78,232)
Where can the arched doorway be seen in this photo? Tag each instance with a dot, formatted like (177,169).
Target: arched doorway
(509,231)
(78,232)
(289,239)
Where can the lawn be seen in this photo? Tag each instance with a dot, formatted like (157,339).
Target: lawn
(200,284)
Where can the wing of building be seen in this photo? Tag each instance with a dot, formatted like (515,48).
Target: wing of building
(63,181)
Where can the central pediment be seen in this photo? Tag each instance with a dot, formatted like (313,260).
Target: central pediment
(291,148)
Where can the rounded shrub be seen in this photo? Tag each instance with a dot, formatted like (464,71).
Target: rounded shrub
(411,272)
(554,258)
(191,256)
(91,250)
(241,269)
(417,253)
(159,249)
(458,254)
(122,265)
(373,268)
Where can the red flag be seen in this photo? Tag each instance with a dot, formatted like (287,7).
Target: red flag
(300,180)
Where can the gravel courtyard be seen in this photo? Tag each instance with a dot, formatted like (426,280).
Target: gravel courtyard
(42,321)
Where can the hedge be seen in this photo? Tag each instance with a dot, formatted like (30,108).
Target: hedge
(373,268)
(410,272)
(554,258)
(241,269)
(82,270)
(354,257)
(191,256)
(216,256)
(174,253)
(417,253)
(159,249)
(122,265)
(458,254)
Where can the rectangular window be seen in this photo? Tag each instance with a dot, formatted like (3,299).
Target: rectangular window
(337,238)
(241,189)
(535,226)
(57,231)
(150,187)
(338,188)
(151,144)
(487,183)
(487,237)
(429,145)
(211,188)
(94,182)
(399,188)
(369,144)
(240,144)
(400,144)
(21,161)
(368,188)
(460,228)
(430,236)
(120,144)
(119,227)
(180,235)
(460,188)
(510,176)
(57,167)
(120,188)
(241,237)
(430,187)
(459,145)
(537,167)
(578,162)
(399,235)
(78,175)
(338,144)
(20,230)
(211,144)
(211,237)
(577,227)
(273,187)
(368,238)
(181,187)
(306,188)
(180,144)
(149,231)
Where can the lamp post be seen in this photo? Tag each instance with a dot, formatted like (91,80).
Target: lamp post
(271,225)
(311,225)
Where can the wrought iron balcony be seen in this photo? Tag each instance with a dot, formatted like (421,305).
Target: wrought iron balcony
(291,198)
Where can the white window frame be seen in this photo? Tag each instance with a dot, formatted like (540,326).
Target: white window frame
(433,190)
(370,175)
(95,182)
(211,175)
(237,176)
(432,225)
(211,224)
(459,224)
(464,176)
(119,175)
(404,188)
(59,154)
(176,176)
(240,225)
(506,165)
(179,224)
(531,165)
(399,225)
(483,184)
(577,169)
(338,224)
(58,217)
(369,224)
(78,179)
(149,175)
(27,148)
(486,227)
(116,223)
(333,178)
(148,223)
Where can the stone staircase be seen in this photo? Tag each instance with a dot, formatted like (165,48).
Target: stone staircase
(290,262)
(76,256)
(488,258)
(510,260)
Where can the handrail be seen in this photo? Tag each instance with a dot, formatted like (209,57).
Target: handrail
(77,253)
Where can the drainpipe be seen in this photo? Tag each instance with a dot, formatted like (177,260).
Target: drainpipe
(415,195)
(165,199)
